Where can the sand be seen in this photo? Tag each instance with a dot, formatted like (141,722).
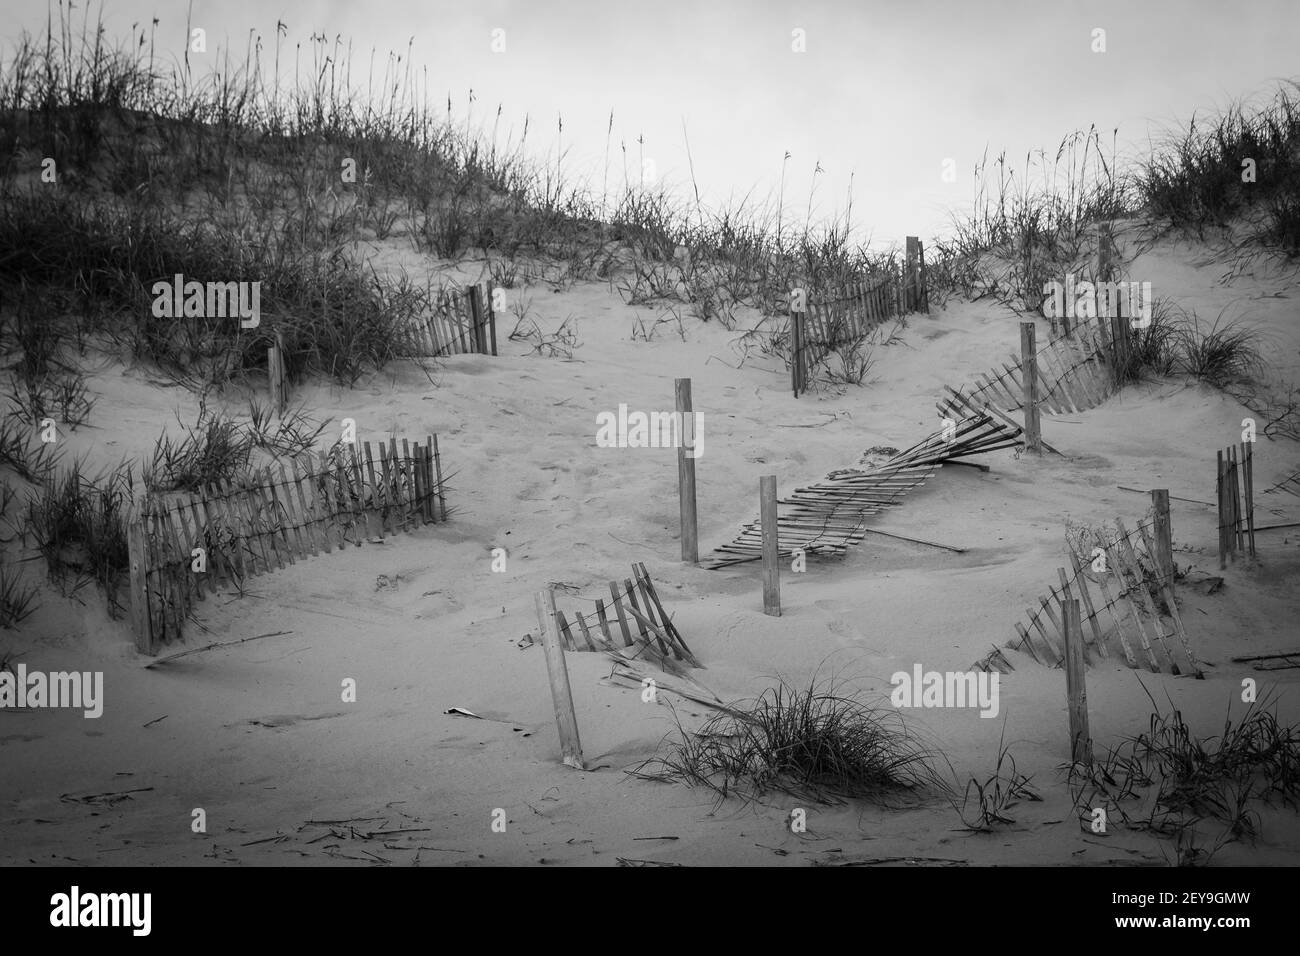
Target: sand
(259,737)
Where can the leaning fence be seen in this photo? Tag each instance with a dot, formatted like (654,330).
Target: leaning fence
(186,547)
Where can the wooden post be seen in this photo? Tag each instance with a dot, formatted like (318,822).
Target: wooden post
(141,622)
(558,673)
(492,319)
(1075,685)
(1164,555)
(925,291)
(275,372)
(1029,376)
(796,352)
(912,284)
(686,474)
(476,318)
(437,464)
(771,548)
(1221,496)
(1248,474)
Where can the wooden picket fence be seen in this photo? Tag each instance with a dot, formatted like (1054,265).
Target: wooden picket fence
(184,548)
(641,623)
(848,314)
(1133,602)
(1076,371)
(460,323)
(1235,484)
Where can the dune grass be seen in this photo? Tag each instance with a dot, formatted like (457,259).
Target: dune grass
(819,743)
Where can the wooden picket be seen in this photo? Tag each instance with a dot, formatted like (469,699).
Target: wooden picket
(641,620)
(460,323)
(1125,578)
(191,545)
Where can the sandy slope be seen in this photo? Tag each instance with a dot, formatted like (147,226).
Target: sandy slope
(259,738)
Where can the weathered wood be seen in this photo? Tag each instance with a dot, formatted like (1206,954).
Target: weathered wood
(437,464)
(632,604)
(1118,565)
(1057,652)
(1163,554)
(665,646)
(679,644)
(141,619)
(566,720)
(1029,369)
(1076,686)
(586,634)
(686,475)
(1221,488)
(1027,644)
(1081,580)
(622,618)
(771,548)
(1248,464)
(310,529)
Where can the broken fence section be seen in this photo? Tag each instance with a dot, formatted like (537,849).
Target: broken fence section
(634,617)
(1129,611)
(827,517)
(232,532)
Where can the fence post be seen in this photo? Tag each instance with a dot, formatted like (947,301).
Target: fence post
(796,351)
(275,371)
(911,288)
(141,623)
(557,673)
(925,289)
(1029,372)
(1221,487)
(476,318)
(1164,534)
(1075,685)
(437,465)
(492,319)
(1248,479)
(771,546)
(686,473)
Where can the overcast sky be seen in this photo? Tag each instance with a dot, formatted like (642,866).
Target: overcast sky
(886,90)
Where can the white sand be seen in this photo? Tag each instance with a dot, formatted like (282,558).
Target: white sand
(258,736)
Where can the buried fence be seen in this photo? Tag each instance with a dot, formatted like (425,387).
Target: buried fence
(824,324)
(1133,614)
(460,323)
(185,547)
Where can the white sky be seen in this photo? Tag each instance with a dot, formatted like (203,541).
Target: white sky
(886,90)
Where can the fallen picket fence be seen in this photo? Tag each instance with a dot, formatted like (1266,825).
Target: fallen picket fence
(827,517)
